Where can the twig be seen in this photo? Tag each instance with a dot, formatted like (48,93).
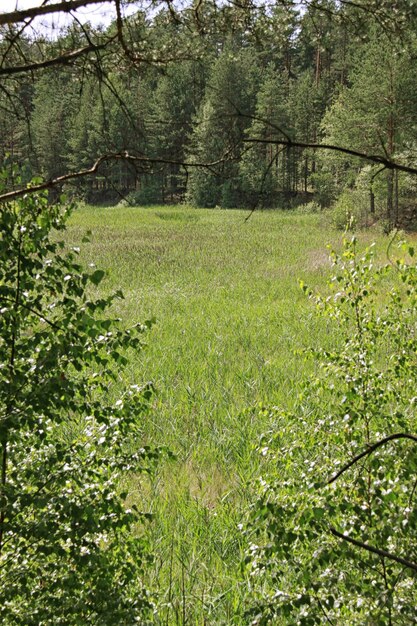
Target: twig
(369,450)
(373,550)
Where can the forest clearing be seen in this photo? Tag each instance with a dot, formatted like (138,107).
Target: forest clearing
(231,328)
(208,295)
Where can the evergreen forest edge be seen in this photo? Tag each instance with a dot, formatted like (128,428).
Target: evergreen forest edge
(244,99)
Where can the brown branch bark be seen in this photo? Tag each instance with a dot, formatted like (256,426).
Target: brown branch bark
(133,56)
(63,59)
(14,17)
(373,550)
(369,450)
(119,156)
(120,35)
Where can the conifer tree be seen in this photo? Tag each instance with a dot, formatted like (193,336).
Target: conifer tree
(374,114)
(221,122)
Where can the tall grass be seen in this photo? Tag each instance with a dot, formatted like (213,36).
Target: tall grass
(231,323)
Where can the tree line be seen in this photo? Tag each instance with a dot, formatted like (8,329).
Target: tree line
(226,107)
(230,105)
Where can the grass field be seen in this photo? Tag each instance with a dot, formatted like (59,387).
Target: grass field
(231,321)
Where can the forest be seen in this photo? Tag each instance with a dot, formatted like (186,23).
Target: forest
(249,93)
(208,416)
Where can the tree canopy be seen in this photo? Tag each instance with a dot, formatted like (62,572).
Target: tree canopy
(232,104)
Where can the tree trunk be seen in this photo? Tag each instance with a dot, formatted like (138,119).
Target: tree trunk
(305,174)
(396,207)
(318,64)
(371,202)
(390,197)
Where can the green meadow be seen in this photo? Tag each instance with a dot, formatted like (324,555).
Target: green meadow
(231,324)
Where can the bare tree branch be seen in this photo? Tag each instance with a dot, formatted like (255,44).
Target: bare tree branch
(117,156)
(133,56)
(63,59)
(60,7)
(374,158)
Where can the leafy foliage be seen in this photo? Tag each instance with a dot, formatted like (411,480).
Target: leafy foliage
(333,528)
(70,550)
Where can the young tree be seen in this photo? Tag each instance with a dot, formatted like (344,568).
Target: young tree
(70,548)
(333,533)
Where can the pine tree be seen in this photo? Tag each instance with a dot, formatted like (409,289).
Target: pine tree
(54,107)
(266,169)
(373,115)
(221,122)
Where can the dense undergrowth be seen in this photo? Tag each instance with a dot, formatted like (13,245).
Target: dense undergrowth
(332,533)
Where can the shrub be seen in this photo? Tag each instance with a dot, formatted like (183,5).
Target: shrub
(149,194)
(309,207)
(351,209)
(325,188)
(70,550)
(333,533)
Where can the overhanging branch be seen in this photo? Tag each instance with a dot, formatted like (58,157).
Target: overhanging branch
(63,59)
(14,17)
(374,158)
(117,156)
(356,542)
(369,450)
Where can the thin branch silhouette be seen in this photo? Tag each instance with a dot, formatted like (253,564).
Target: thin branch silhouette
(117,156)
(370,450)
(373,550)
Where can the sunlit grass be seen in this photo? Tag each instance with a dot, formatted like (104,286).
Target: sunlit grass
(231,323)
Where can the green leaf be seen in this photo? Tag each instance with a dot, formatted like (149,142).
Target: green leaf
(97,276)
